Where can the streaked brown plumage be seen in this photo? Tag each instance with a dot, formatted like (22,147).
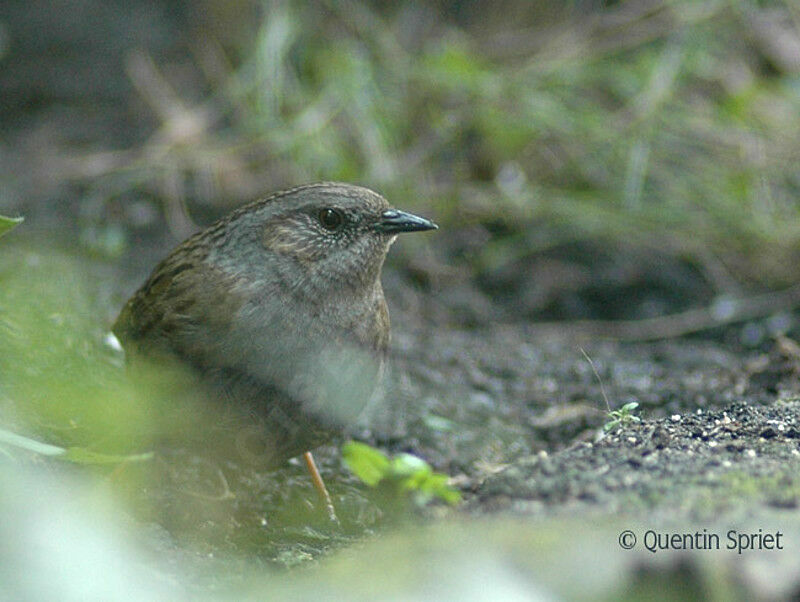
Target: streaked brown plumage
(277,311)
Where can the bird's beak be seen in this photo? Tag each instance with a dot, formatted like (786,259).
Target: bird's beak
(394,221)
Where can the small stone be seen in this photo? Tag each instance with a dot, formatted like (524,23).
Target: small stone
(768,433)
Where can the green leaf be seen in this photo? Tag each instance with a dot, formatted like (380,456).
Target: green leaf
(9,223)
(437,485)
(434,484)
(405,473)
(31,445)
(368,464)
(80,455)
(610,426)
(407,465)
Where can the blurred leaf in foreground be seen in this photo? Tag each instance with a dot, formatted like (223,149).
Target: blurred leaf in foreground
(58,382)
(9,223)
(77,455)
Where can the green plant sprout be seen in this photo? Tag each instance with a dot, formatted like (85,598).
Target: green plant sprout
(401,475)
(621,417)
(617,418)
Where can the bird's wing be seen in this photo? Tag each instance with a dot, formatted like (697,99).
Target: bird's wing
(182,312)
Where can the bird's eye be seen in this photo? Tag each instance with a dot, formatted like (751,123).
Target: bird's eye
(331,219)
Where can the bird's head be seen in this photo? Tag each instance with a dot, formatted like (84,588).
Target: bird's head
(326,237)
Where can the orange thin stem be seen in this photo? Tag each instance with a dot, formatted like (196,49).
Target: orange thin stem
(319,485)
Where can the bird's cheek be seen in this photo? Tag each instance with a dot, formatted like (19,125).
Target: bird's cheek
(286,238)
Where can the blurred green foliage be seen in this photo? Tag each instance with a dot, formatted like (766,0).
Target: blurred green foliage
(58,381)
(662,125)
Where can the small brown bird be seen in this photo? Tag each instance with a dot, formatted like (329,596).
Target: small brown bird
(277,312)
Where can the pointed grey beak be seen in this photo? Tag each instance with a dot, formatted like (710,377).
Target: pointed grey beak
(394,221)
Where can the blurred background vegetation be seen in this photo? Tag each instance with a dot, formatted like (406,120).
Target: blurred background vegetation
(654,141)
(585,159)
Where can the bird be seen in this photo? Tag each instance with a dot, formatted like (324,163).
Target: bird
(276,315)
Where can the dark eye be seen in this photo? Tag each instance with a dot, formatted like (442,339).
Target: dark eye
(331,219)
